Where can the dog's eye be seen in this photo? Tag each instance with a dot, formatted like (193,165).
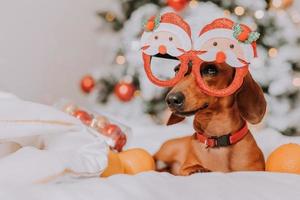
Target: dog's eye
(231,46)
(176,69)
(215,43)
(170,39)
(156,37)
(210,70)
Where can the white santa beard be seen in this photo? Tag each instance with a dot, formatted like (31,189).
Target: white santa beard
(231,58)
(209,56)
(184,38)
(171,50)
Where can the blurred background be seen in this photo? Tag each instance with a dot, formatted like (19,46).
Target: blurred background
(46,46)
(88,51)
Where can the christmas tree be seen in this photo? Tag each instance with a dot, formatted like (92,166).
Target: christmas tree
(124,88)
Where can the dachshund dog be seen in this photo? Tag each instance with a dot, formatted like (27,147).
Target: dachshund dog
(214,117)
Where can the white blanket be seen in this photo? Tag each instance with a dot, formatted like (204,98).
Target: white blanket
(38,141)
(154,185)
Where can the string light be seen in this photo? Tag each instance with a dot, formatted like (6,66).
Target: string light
(277,3)
(110,17)
(120,59)
(282,4)
(259,14)
(137,93)
(296,82)
(239,10)
(273,52)
(193,3)
(227,13)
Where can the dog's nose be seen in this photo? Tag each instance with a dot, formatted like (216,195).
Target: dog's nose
(175,100)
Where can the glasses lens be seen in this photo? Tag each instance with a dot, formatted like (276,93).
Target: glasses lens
(164,67)
(216,76)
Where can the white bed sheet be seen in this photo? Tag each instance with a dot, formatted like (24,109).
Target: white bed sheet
(153,185)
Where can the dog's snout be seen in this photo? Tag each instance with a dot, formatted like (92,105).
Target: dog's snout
(175,100)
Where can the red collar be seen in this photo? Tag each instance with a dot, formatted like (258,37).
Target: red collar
(224,140)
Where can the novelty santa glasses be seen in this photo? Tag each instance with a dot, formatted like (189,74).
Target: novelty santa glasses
(167,47)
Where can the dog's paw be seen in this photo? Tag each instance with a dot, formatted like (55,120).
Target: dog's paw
(202,170)
(193,170)
(161,166)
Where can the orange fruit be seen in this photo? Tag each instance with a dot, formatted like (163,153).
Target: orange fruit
(285,158)
(136,161)
(114,165)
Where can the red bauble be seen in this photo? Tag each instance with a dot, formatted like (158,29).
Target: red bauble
(111,130)
(120,142)
(87,84)
(177,5)
(85,117)
(116,134)
(124,91)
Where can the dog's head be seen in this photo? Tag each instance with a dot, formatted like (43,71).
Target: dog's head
(186,98)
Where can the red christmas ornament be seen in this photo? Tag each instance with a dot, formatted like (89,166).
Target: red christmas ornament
(111,130)
(177,5)
(124,91)
(87,84)
(120,142)
(85,117)
(116,134)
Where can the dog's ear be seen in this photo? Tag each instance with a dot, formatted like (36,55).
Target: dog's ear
(174,119)
(251,101)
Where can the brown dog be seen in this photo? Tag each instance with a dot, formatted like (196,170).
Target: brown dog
(214,116)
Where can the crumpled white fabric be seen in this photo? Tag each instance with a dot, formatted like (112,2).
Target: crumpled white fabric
(47,137)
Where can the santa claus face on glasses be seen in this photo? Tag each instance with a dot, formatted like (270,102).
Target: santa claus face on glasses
(223,50)
(224,41)
(165,38)
(163,42)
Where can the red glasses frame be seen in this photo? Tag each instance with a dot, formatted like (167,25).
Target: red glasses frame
(184,59)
